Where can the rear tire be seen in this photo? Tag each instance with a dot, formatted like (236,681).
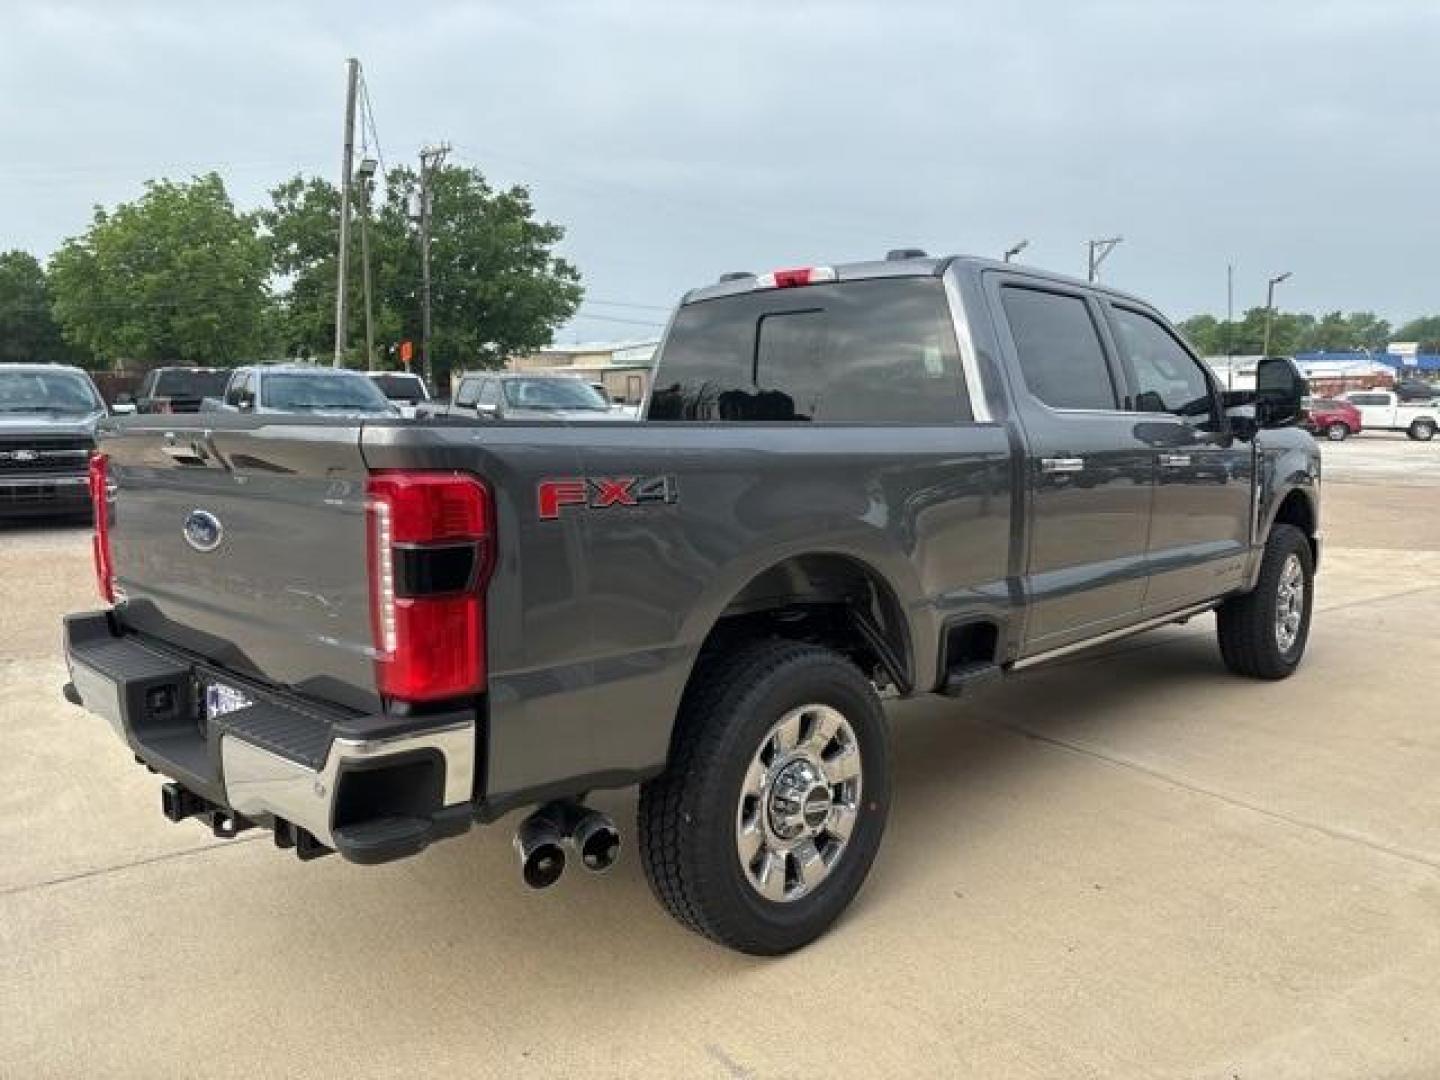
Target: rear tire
(1337,432)
(1421,430)
(700,824)
(1263,633)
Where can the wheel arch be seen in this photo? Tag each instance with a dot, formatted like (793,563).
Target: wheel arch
(833,598)
(1298,506)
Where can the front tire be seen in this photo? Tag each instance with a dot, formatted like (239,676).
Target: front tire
(1263,633)
(1421,431)
(1337,432)
(767,820)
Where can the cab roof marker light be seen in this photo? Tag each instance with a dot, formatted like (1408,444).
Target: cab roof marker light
(800,275)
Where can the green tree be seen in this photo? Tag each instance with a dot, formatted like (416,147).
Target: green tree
(1333,333)
(28,330)
(1204,332)
(1425,330)
(1367,331)
(178,276)
(301,226)
(497,286)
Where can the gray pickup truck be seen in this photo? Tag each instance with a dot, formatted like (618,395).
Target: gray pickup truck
(48,415)
(891,478)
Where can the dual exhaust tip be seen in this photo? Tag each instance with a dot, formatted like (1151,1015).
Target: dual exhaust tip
(543,837)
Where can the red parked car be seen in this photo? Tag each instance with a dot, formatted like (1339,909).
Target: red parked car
(1336,420)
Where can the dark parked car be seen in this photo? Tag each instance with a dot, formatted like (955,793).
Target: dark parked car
(48,415)
(915,475)
(178,389)
(1417,390)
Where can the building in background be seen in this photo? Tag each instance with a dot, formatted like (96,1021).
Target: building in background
(623,368)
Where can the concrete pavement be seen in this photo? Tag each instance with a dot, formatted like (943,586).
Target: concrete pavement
(1126,864)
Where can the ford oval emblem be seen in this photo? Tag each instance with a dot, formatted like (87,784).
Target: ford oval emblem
(203,530)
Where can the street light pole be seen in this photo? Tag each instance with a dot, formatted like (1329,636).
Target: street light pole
(365,178)
(1270,307)
(1099,250)
(1011,252)
(431,158)
(346,165)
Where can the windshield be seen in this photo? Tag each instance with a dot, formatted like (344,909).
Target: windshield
(61,393)
(406,388)
(553,394)
(190,384)
(303,391)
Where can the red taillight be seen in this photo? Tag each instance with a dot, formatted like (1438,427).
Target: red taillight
(800,275)
(431,546)
(100,542)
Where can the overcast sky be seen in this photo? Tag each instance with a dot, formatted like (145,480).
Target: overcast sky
(675,141)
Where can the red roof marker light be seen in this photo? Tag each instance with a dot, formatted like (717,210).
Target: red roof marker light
(800,275)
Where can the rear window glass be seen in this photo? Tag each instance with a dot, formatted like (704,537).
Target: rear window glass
(190,384)
(406,388)
(865,351)
(306,392)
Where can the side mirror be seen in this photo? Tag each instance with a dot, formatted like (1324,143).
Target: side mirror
(245,404)
(1279,391)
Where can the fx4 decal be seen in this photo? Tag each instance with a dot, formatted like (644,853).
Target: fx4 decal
(602,492)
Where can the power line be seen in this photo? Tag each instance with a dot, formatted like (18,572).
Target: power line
(369,118)
(595,317)
(628,304)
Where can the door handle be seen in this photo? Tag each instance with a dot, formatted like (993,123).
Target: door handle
(1062,464)
(1174,461)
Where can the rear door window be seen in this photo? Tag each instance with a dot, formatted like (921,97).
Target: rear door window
(1058,345)
(235,392)
(877,351)
(467,393)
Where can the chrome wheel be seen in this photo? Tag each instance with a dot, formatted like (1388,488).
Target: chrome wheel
(798,803)
(1289,603)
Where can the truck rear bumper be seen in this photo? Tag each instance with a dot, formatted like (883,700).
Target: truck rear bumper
(374,788)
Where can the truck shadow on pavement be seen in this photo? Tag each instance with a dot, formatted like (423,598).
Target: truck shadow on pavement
(958,767)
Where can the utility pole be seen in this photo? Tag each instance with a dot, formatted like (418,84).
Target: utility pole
(347,163)
(1099,249)
(1015,249)
(1229,309)
(365,175)
(1270,307)
(431,158)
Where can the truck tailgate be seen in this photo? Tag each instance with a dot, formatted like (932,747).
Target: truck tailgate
(247,545)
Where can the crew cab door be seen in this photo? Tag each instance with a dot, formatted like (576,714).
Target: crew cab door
(1377,409)
(1200,520)
(1088,473)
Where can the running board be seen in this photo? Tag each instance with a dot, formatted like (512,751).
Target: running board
(1180,616)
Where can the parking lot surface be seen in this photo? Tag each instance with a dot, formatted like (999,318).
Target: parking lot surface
(1124,864)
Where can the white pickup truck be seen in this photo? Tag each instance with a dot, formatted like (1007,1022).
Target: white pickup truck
(1382,410)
